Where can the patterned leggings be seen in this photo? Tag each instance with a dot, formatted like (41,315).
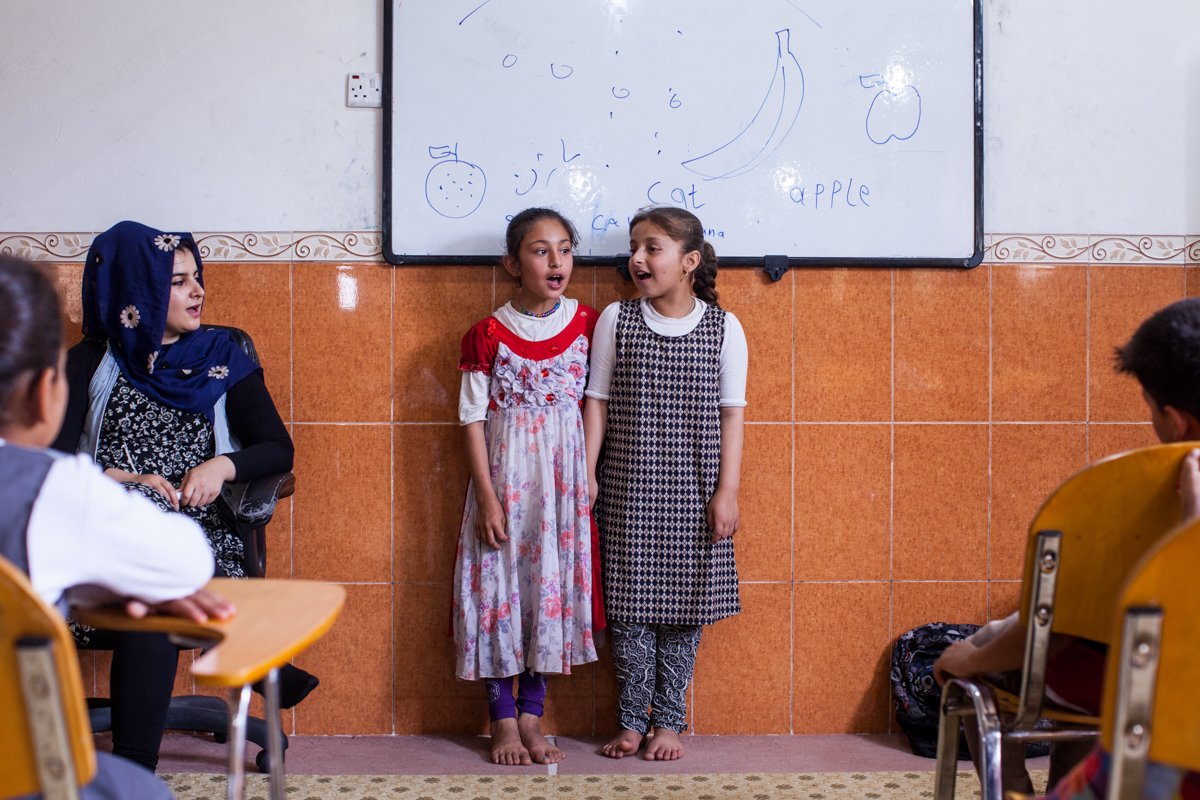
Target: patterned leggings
(654,667)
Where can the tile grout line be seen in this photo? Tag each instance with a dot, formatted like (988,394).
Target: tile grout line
(292,432)
(991,399)
(892,490)
(792,537)
(392,504)
(592,695)
(1087,367)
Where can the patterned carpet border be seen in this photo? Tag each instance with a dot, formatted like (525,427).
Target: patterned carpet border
(762,786)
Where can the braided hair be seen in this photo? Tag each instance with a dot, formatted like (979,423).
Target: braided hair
(684,227)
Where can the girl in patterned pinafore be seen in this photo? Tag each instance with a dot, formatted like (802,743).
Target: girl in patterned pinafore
(666,399)
(524,577)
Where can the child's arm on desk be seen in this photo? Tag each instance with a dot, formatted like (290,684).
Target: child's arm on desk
(723,508)
(490,521)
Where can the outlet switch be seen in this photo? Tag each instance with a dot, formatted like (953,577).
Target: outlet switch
(364,90)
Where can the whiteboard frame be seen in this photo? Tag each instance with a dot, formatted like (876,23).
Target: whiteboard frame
(620,260)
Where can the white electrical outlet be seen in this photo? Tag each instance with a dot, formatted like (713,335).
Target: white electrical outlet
(364,90)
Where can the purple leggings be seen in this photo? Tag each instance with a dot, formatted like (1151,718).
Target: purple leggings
(531,695)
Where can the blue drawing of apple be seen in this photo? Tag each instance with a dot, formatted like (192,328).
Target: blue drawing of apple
(895,111)
(453,188)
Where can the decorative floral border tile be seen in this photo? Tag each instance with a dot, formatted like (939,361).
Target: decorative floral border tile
(1192,253)
(1138,249)
(219,246)
(758,786)
(338,246)
(1011,248)
(240,246)
(47,246)
(999,248)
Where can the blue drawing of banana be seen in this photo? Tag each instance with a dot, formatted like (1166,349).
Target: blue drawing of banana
(771,123)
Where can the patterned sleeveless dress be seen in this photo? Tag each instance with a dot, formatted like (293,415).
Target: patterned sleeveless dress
(530,603)
(662,458)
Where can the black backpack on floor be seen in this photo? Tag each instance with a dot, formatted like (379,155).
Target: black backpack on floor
(914,690)
(917,694)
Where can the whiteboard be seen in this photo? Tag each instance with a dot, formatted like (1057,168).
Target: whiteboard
(842,133)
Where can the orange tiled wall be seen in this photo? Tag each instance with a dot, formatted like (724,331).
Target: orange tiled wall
(903,427)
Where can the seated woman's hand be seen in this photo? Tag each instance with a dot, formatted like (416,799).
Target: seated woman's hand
(202,483)
(156,482)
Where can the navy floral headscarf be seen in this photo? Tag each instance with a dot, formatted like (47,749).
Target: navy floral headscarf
(126,293)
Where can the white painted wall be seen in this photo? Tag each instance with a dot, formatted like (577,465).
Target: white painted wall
(224,115)
(1092,116)
(218,115)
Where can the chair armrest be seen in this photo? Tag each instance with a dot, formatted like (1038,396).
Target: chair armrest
(254,502)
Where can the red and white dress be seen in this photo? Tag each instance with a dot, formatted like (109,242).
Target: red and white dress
(528,605)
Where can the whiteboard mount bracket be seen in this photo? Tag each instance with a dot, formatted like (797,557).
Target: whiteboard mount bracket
(623,266)
(775,266)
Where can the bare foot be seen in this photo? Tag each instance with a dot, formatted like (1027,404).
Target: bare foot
(664,746)
(540,749)
(626,744)
(506,744)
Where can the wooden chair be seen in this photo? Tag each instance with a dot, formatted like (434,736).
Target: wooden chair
(1152,699)
(45,740)
(1082,544)
(276,620)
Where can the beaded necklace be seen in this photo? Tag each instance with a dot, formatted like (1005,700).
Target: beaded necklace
(521,308)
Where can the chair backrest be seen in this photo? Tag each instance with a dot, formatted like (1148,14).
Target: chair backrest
(1163,585)
(241,337)
(51,742)
(1110,514)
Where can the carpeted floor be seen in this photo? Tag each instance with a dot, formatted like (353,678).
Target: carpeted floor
(762,786)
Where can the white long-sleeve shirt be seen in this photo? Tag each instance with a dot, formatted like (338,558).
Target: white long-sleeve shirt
(90,541)
(473,392)
(733,361)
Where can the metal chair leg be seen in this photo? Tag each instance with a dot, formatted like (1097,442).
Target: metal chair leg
(945,772)
(239,710)
(274,735)
(983,706)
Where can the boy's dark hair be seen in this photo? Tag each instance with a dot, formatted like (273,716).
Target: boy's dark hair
(1164,355)
(31,334)
(685,228)
(519,225)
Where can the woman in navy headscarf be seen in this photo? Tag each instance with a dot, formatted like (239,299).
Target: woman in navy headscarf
(171,411)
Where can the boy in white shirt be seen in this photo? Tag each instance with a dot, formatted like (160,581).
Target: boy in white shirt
(77,534)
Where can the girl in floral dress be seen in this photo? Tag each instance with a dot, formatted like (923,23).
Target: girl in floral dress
(525,583)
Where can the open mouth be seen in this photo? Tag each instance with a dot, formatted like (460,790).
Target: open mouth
(195,310)
(641,275)
(555,281)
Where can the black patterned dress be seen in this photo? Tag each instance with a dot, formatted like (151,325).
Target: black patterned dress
(143,436)
(661,464)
